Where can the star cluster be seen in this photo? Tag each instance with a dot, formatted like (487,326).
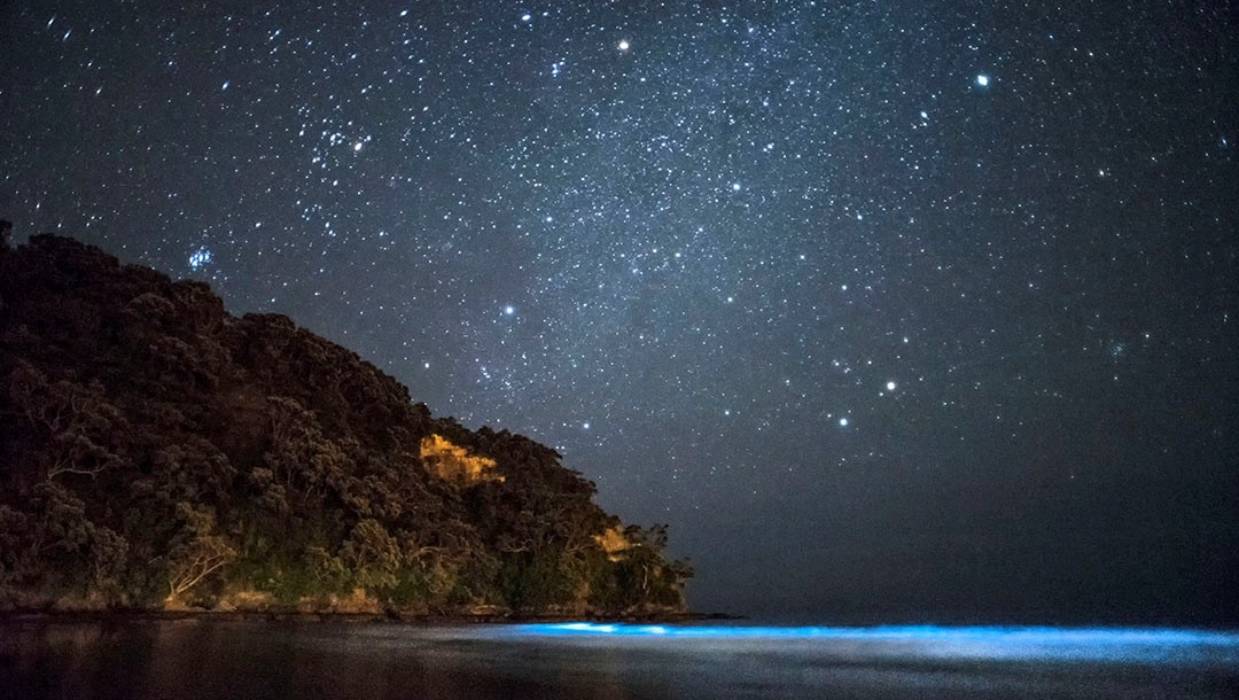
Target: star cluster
(887,297)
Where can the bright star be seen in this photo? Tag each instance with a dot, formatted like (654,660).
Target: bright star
(624,45)
(509,310)
(843,422)
(735,187)
(890,386)
(983,80)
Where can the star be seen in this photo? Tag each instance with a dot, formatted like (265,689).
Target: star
(623,45)
(982,80)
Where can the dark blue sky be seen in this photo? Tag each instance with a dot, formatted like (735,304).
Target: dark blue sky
(908,309)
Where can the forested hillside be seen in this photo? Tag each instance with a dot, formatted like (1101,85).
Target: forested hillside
(159,453)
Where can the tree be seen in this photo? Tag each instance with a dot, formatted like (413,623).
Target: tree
(199,551)
(78,424)
(373,555)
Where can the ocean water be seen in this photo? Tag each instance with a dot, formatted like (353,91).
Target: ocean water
(230,658)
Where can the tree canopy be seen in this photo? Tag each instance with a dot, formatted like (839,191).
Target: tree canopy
(157,452)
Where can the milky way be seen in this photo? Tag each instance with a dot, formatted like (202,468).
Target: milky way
(910,306)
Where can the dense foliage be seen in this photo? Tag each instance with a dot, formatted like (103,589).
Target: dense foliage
(157,452)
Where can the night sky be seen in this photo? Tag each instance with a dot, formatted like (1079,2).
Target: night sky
(914,310)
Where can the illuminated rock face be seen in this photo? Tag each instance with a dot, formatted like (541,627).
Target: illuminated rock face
(613,542)
(452,462)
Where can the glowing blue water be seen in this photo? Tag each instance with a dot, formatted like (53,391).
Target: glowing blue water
(1127,645)
(225,659)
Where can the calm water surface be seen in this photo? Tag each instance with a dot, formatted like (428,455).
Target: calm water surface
(204,658)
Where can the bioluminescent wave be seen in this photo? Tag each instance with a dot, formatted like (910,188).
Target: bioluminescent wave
(1140,645)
